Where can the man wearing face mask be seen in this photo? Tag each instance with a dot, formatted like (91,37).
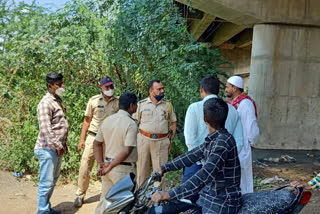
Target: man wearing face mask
(51,143)
(98,109)
(155,115)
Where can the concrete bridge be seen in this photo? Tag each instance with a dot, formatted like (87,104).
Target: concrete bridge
(277,42)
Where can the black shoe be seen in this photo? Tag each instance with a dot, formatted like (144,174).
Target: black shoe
(52,211)
(78,202)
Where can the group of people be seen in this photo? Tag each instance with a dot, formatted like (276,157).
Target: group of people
(126,135)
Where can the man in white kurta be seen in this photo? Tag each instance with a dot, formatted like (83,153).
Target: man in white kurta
(248,114)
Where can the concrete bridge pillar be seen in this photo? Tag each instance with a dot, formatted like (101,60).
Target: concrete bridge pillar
(285,83)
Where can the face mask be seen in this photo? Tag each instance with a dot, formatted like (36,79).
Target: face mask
(60,91)
(158,97)
(108,93)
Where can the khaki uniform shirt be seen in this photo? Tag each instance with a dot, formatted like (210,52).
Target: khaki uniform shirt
(155,118)
(99,109)
(118,131)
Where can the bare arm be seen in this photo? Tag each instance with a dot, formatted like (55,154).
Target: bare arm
(173,128)
(85,127)
(98,152)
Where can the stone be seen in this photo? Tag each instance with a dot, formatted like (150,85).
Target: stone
(272,180)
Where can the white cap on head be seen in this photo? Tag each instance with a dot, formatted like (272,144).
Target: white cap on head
(236,81)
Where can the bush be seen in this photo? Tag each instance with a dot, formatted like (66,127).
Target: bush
(131,41)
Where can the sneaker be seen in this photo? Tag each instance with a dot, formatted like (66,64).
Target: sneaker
(52,211)
(78,202)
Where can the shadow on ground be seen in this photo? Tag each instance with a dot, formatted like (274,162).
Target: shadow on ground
(68,208)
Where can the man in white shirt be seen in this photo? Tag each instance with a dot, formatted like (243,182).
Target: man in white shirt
(195,129)
(248,114)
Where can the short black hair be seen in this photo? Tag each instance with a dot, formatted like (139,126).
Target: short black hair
(153,81)
(53,77)
(215,112)
(210,84)
(126,99)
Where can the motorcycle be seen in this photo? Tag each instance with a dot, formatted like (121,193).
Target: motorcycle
(125,198)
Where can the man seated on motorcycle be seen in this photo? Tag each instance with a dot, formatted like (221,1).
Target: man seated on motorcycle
(218,181)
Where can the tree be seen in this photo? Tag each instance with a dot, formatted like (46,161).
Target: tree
(131,41)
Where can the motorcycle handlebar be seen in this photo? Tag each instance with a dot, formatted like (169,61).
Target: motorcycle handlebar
(153,178)
(156,176)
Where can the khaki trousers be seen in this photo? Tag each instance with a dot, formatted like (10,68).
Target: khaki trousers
(110,179)
(86,164)
(151,151)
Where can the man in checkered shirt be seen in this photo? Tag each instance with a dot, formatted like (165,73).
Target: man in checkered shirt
(218,181)
(51,143)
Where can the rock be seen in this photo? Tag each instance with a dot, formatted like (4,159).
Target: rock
(276,160)
(287,159)
(28,177)
(272,180)
(260,164)
(272,160)
(316,163)
(282,159)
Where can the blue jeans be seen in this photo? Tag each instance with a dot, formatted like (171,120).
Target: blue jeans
(188,172)
(50,164)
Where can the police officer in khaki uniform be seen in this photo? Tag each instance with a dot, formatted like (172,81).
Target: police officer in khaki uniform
(118,135)
(99,108)
(157,127)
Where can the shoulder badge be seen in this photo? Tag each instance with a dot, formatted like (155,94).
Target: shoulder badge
(96,97)
(136,121)
(142,101)
(165,100)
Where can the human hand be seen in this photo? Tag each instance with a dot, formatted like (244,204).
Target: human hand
(61,151)
(169,147)
(100,169)
(159,171)
(81,145)
(160,196)
(103,169)
(301,184)
(66,149)
(107,168)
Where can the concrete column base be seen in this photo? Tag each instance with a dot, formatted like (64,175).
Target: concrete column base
(285,83)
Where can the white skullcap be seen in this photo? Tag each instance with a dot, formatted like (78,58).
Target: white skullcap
(236,81)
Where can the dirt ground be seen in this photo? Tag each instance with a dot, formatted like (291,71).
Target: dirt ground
(20,195)
(306,165)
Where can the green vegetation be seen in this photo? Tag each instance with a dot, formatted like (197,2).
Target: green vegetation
(131,41)
(258,186)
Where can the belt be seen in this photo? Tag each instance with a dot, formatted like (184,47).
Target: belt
(122,163)
(153,136)
(93,133)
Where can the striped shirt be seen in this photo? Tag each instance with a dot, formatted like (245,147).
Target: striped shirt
(53,124)
(218,181)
